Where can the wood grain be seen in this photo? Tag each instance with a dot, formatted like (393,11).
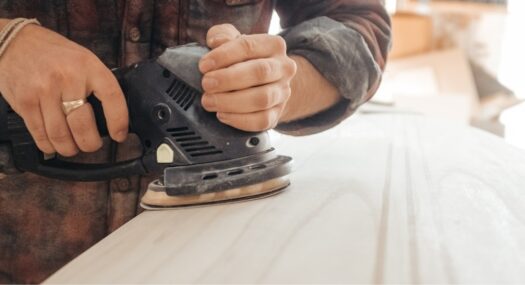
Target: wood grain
(382,199)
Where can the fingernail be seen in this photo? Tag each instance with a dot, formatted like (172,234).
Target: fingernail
(208,101)
(209,83)
(207,65)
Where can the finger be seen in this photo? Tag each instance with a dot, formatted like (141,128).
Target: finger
(243,75)
(35,124)
(242,49)
(84,129)
(81,121)
(248,100)
(106,88)
(253,122)
(220,34)
(56,125)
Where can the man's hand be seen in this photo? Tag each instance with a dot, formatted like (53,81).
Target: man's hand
(40,70)
(246,78)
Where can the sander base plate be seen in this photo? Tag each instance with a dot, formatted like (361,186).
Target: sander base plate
(155,200)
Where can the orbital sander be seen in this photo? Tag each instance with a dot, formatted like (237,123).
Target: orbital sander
(199,159)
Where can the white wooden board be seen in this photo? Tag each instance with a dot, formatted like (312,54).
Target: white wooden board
(381,199)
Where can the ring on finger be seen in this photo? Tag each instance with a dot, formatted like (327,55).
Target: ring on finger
(69,106)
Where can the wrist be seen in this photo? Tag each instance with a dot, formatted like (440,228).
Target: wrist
(312,93)
(11,29)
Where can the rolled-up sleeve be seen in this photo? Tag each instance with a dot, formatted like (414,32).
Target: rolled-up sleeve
(347,41)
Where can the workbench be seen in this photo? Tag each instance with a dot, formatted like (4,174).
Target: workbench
(383,198)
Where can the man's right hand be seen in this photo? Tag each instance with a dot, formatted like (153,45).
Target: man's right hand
(41,69)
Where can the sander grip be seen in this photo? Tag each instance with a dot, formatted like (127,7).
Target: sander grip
(27,157)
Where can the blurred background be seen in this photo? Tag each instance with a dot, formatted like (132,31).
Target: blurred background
(458,60)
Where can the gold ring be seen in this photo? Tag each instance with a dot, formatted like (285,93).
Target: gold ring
(70,106)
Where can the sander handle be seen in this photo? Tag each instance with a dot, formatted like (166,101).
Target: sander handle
(27,157)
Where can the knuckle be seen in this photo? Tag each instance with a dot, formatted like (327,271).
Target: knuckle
(59,136)
(248,46)
(287,91)
(280,44)
(83,133)
(219,56)
(290,67)
(285,88)
(39,134)
(266,100)
(78,126)
(57,76)
(219,103)
(262,102)
(265,122)
(39,88)
(263,70)
(28,101)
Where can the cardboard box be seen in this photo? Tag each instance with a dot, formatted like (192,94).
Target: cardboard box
(411,35)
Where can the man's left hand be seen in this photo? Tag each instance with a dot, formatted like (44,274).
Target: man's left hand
(246,78)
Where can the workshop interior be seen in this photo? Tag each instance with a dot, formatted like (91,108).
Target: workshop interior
(474,42)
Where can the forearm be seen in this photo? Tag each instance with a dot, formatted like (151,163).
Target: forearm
(347,43)
(311,92)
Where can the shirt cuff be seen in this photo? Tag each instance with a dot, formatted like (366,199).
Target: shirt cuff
(342,56)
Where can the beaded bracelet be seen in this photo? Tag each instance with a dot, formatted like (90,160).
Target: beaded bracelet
(11,29)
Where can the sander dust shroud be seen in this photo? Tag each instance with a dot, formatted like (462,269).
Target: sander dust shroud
(201,160)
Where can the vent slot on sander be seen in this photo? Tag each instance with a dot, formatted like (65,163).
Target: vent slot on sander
(182,94)
(191,143)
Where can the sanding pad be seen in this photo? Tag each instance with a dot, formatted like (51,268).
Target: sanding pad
(160,200)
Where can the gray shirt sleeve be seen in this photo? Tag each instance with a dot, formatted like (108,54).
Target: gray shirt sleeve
(343,57)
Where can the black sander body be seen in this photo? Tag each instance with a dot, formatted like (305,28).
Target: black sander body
(198,159)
